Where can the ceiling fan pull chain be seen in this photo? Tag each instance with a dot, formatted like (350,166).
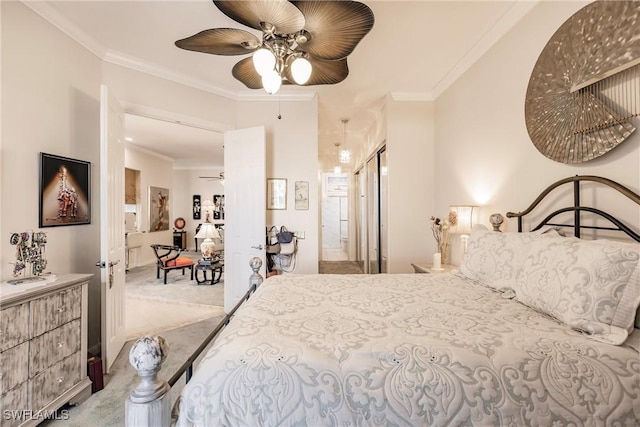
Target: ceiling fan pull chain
(279,115)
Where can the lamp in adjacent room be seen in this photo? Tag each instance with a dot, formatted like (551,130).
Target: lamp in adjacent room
(208,231)
(463,218)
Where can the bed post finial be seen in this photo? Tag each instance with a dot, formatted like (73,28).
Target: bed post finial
(149,404)
(496,221)
(256,278)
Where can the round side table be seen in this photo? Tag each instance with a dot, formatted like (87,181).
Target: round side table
(204,266)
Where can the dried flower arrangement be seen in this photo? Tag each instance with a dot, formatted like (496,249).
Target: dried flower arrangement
(441,230)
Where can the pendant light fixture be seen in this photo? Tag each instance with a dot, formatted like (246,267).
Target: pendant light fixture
(345,155)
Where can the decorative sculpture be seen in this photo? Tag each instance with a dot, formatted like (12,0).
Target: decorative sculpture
(30,252)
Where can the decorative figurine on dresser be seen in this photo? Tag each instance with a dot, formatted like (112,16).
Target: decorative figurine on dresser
(29,253)
(43,337)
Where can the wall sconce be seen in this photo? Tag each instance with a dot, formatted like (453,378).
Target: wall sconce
(463,218)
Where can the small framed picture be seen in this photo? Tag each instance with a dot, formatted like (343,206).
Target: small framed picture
(65,191)
(218,206)
(158,209)
(301,192)
(197,206)
(276,193)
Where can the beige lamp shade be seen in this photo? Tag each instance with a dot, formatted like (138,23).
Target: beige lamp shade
(463,222)
(464,219)
(208,232)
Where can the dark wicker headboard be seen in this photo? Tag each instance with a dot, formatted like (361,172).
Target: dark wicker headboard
(577,209)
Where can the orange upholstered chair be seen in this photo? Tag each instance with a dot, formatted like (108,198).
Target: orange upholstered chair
(168,258)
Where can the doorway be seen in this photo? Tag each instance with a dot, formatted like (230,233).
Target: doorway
(335,217)
(167,154)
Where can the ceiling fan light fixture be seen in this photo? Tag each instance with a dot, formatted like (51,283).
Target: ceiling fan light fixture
(316,35)
(264,61)
(301,70)
(271,82)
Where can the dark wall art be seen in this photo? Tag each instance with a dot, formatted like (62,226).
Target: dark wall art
(197,206)
(65,191)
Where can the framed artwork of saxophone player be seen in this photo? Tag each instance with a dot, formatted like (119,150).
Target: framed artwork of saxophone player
(65,191)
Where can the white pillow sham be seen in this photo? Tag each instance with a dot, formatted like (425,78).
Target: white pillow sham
(494,259)
(590,285)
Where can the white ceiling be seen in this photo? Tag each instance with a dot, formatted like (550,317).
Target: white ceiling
(415,50)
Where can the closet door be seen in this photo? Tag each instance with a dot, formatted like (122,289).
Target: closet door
(373,210)
(383,210)
(361,219)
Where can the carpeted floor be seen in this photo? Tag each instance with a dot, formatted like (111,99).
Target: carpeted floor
(339,267)
(153,307)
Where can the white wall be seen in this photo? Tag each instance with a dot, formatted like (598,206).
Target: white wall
(50,103)
(411,180)
(292,153)
(484,155)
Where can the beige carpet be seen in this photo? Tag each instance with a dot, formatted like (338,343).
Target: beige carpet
(153,307)
(148,316)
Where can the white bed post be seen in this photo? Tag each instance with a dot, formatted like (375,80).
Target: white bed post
(149,404)
(256,277)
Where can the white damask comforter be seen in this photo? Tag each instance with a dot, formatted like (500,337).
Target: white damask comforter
(406,350)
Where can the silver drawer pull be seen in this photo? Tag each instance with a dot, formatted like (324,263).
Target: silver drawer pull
(59,380)
(61,309)
(60,345)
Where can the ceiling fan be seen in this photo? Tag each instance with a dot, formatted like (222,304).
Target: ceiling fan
(220,178)
(303,42)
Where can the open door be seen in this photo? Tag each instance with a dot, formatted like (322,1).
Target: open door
(112,227)
(245,209)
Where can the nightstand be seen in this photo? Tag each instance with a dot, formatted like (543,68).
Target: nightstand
(426,268)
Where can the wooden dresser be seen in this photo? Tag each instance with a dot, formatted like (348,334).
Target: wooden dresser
(43,348)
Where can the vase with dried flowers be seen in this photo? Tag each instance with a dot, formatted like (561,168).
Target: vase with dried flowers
(441,229)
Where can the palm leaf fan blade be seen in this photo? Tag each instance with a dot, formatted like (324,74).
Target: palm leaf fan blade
(281,13)
(221,41)
(336,27)
(245,72)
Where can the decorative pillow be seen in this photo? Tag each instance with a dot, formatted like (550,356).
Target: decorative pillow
(494,259)
(591,285)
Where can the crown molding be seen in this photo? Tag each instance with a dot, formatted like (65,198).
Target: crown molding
(501,27)
(136,64)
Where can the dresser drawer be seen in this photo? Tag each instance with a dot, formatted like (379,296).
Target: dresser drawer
(14,368)
(14,326)
(49,312)
(14,406)
(51,383)
(53,346)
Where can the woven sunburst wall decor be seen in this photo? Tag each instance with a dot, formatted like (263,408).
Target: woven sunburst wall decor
(584,90)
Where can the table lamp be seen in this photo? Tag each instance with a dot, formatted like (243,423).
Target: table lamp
(464,222)
(207,231)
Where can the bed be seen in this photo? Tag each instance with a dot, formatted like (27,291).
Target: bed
(535,328)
